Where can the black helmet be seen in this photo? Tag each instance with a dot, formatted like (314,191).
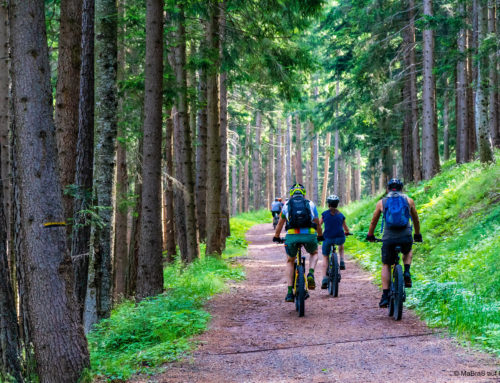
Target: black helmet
(395,185)
(276,199)
(333,200)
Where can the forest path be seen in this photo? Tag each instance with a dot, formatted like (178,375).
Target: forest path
(255,336)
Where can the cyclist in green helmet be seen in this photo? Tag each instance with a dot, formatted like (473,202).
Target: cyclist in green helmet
(302,225)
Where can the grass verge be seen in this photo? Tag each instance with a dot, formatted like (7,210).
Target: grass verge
(141,337)
(456,271)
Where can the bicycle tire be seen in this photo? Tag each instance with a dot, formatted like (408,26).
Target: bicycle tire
(295,287)
(399,291)
(391,299)
(301,291)
(335,277)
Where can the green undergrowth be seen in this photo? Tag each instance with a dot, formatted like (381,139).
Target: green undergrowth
(141,337)
(456,270)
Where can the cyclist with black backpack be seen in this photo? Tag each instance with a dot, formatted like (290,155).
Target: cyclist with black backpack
(396,208)
(302,221)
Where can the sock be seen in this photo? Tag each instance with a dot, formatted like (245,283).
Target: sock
(385,292)
(290,289)
(407,268)
(311,271)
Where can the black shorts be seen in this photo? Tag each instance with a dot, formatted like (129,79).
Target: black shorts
(389,246)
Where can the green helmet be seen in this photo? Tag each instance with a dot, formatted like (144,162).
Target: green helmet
(298,189)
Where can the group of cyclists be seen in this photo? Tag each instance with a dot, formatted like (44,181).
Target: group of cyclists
(304,227)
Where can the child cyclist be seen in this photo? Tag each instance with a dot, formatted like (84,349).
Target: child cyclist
(334,234)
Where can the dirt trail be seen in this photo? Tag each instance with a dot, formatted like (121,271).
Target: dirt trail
(255,336)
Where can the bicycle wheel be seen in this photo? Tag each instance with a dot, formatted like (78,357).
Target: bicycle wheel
(295,289)
(301,291)
(391,299)
(333,276)
(399,291)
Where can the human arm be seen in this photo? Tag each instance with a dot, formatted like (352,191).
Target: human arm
(318,226)
(279,227)
(414,216)
(375,218)
(346,229)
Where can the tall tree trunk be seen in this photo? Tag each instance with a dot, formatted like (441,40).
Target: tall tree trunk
(10,356)
(67,94)
(224,203)
(133,248)
(415,129)
(179,200)
(121,184)
(45,261)
(271,171)
(278,188)
(298,152)
(314,159)
(234,181)
(150,262)
(326,171)
(357,176)
(214,182)
(429,129)
(201,156)
(482,126)
(100,282)
(342,180)
(241,192)
(471,79)
(80,245)
(336,152)
(169,191)
(184,139)
(348,184)
(462,108)
(256,164)
(288,152)
(246,177)
(493,78)
(4,122)
(406,135)
(446,123)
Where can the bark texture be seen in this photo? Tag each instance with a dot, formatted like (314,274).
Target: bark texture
(84,158)
(256,164)
(185,150)
(150,262)
(481,102)
(462,110)
(326,171)
(493,78)
(169,192)
(298,152)
(214,182)
(100,281)
(224,205)
(201,157)
(53,315)
(430,165)
(246,176)
(288,153)
(121,184)
(67,94)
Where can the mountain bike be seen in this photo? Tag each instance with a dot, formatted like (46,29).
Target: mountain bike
(397,294)
(334,276)
(276,218)
(300,290)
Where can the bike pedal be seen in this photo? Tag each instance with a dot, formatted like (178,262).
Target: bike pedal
(307,295)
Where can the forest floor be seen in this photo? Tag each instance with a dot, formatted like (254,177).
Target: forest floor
(255,336)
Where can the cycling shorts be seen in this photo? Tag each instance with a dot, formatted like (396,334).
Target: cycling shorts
(328,244)
(389,249)
(292,241)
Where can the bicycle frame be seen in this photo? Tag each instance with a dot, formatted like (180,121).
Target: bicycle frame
(299,261)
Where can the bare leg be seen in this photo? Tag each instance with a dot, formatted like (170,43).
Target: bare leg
(325,265)
(289,270)
(313,260)
(386,276)
(341,252)
(407,258)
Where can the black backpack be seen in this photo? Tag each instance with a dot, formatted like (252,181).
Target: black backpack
(299,213)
